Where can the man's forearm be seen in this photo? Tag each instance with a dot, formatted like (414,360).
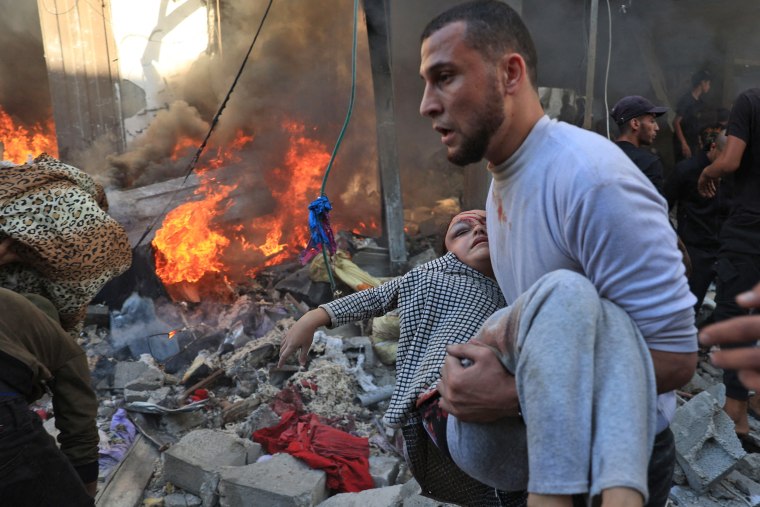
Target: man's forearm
(673,370)
(679,131)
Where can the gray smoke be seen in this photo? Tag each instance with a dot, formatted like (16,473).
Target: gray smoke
(24,90)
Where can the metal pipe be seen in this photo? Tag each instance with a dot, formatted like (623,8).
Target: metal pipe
(370,398)
(591,64)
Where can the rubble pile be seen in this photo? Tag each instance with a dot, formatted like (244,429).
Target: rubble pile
(712,469)
(185,388)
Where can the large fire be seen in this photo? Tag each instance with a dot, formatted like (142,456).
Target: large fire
(195,241)
(187,245)
(21,142)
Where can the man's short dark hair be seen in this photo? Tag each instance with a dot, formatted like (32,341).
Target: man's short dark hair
(699,76)
(493,29)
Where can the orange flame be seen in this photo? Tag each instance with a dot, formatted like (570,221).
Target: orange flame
(20,142)
(193,240)
(188,245)
(294,186)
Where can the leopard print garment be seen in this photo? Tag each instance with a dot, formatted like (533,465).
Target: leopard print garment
(70,247)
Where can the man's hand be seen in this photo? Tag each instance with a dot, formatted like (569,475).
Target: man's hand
(707,185)
(301,334)
(480,392)
(7,255)
(736,330)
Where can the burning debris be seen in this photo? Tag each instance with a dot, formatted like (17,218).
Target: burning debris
(20,143)
(221,380)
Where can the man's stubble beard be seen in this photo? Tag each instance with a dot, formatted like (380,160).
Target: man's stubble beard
(474,147)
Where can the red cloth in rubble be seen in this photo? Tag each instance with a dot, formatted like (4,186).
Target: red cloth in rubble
(344,457)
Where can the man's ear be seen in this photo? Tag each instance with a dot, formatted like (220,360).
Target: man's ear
(512,71)
(635,124)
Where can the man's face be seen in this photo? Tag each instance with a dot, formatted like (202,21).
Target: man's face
(706,86)
(468,240)
(462,94)
(648,128)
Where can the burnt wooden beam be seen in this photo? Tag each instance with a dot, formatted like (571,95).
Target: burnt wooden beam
(126,483)
(377,13)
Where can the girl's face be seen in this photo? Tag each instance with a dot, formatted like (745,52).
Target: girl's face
(468,240)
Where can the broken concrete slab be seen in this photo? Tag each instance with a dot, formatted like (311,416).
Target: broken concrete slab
(384,470)
(281,481)
(379,497)
(182,500)
(197,458)
(686,497)
(706,446)
(747,486)
(749,465)
(127,371)
(130,395)
(262,417)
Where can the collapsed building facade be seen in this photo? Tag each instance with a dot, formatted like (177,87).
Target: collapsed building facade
(127,91)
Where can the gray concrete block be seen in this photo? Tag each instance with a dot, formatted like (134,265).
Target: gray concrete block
(282,481)
(262,417)
(718,391)
(384,470)
(747,486)
(411,488)
(159,395)
(749,465)
(686,497)
(378,497)
(199,455)
(182,500)
(182,422)
(130,395)
(127,371)
(706,446)
(148,380)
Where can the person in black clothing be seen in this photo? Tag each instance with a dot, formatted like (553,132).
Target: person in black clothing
(686,124)
(637,119)
(699,218)
(738,266)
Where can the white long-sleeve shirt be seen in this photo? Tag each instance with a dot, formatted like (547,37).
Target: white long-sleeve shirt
(571,199)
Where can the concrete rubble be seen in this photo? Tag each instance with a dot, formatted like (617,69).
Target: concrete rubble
(198,379)
(712,468)
(707,448)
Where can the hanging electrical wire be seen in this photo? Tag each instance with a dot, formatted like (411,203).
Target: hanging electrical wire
(214,121)
(319,209)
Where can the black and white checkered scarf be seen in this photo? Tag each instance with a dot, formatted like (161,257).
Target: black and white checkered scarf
(441,302)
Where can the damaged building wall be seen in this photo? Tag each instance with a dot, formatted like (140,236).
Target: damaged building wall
(80,57)
(157,42)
